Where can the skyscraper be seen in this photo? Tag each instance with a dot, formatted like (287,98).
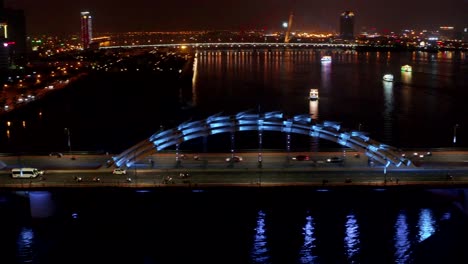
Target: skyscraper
(347,25)
(15,24)
(86,29)
(4,50)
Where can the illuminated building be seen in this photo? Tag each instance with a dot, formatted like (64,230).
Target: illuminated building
(446,33)
(347,25)
(14,29)
(3,40)
(86,29)
(4,55)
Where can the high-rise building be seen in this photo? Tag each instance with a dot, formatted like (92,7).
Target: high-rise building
(86,29)
(347,25)
(15,29)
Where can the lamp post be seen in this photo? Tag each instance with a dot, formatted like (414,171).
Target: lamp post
(455,133)
(67,130)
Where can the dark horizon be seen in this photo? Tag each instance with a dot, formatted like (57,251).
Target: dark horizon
(58,17)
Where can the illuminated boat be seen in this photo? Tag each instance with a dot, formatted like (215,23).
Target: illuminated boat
(406,68)
(313,94)
(326,59)
(388,77)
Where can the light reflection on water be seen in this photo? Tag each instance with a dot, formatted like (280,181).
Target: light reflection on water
(402,242)
(352,242)
(232,81)
(323,234)
(388,110)
(260,252)
(25,244)
(426,224)
(307,253)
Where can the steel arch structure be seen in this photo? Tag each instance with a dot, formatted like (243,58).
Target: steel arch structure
(270,121)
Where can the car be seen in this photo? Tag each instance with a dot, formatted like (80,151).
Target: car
(119,171)
(184,175)
(56,154)
(334,160)
(234,159)
(301,157)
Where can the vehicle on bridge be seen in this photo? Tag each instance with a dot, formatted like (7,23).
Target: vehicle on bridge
(119,171)
(301,157)
(234,159)
(26,173)
(334,160)
(56,154)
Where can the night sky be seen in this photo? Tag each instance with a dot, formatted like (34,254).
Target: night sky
(62,16)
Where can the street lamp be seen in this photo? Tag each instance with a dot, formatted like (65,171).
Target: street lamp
(67,130)
(455,133)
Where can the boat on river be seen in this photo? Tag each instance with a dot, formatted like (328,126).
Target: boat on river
(326,59)
(313,94)
(406,68)
(388,77)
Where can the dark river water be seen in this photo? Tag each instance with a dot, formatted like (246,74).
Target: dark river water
(106,112)
(111,112)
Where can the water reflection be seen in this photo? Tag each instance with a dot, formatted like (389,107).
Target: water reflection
(314,114)
(406,77)
(326,75)
(426,224)
(313,109)
(388,111)
(260,252)
(25,243)
(306,253)
(352,243)
(194,80)
(446,216)
(402,243)
(41,204)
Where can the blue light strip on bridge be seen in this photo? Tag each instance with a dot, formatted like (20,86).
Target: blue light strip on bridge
(271,121)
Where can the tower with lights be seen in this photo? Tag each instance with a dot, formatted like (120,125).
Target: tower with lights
(347,25)
(86,29)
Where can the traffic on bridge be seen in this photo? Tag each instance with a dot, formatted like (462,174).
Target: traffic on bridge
(242,169)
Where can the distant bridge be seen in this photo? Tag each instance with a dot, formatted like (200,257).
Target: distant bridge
(250,45)
(270,121)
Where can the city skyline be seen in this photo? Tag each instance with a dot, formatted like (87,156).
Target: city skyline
(54,16)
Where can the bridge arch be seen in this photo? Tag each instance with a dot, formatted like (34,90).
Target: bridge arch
(270,121)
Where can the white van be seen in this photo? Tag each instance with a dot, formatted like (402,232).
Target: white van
(26,173)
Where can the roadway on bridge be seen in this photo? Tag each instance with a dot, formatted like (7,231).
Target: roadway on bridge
(211,169)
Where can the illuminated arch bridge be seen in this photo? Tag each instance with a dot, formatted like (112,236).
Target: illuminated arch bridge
(270,121)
